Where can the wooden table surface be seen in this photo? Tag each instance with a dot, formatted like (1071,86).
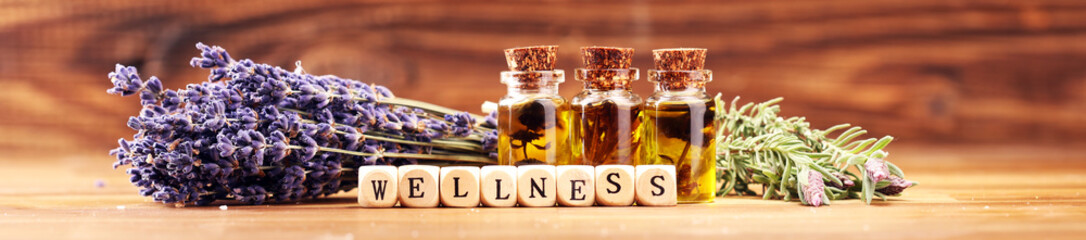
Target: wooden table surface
(991,192)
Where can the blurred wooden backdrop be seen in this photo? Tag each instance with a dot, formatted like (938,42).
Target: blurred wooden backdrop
(927,71)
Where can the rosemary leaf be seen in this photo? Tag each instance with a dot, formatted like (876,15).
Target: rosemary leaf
(758,147)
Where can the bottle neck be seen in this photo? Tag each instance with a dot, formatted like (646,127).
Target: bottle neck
(533,82)
(665,90)
(680,81)
(541,89)
(601,80)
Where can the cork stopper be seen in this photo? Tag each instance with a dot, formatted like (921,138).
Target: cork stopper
(607,57)
(606,68)
(679,68)
(679,58)
(533,58)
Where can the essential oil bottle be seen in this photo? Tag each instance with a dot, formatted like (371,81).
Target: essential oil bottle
(606,114)
(678,122)
(532,117)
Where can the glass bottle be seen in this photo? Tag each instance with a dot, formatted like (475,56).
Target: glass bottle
(679,123)
(606,114)
(532,117)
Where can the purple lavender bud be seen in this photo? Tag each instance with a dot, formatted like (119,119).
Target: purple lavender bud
(462,124)
(210,140)
(154,85)
(251,195)
(124,145)
(351,137)
(897,185)
(491,120)
(257,139)
(225,147)
(171,100)
(211,169)
(166,194)
(342,93)
(388,124)
(845,181)
(211,56)
(876,169)
(814,188)
(436,125)
(214,124)
(490,141)
(384,91)
(410,120)
(126,81)
(309,148)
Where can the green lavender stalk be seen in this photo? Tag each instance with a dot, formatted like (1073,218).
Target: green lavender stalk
(756,146)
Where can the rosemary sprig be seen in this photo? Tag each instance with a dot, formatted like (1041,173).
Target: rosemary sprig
(789,159)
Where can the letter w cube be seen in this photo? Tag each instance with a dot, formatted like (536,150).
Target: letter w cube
(377,186)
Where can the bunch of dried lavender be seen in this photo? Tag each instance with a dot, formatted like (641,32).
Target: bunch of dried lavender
(256,133)
(790,160)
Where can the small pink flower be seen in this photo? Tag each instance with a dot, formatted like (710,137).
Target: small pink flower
(876,169)
(845,181)
(897,185)
(813,190)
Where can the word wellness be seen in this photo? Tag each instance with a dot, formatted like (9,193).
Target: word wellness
(525,186)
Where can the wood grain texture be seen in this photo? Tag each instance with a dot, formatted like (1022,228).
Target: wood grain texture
(924,71)
(965,192)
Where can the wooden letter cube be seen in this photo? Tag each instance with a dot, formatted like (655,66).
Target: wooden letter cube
(615,185)
(377,186)
(499,186)
(460,186)
(576,187)
(418,186)
(656,185)
(535,186)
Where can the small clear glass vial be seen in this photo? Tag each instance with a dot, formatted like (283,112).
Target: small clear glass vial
(605,118)
(678,122)
(532,117)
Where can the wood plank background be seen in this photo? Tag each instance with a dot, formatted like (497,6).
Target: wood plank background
(927,71)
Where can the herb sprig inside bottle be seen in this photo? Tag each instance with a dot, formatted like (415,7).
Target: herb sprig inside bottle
(532,116)
(606,116)
(679,122)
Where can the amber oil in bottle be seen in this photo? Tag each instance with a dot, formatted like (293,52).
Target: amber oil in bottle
(532,117)
(606,114)
(678,122)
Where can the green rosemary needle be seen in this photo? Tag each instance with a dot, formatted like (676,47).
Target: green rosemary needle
(790,160)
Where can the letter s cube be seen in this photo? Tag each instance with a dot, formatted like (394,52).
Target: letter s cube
(656,185)
(615,185)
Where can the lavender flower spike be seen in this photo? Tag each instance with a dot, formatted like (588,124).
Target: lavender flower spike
(256,133)
(845,181)
(126,81)
(897,185)
(814,188)
(876,169)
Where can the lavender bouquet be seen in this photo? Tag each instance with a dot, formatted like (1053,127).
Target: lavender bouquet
(257,133)
(791,160)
